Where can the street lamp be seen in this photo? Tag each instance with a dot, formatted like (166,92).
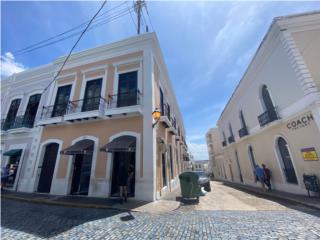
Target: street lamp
(156,114)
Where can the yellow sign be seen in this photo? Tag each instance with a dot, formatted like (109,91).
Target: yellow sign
(309,154)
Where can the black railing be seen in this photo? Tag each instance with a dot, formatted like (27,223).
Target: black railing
(165,110)
(19,122)
(243,132)
(85,105)
(268,116)
(174,123)
(57,110)
(231,139)
(224,143)
(126,99)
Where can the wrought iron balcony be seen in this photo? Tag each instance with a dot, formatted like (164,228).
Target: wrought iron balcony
(21,121)
(174,123)
(165,110)
(243,132)
(57,110)
(268,116)
(85,105)
(126,99)
(231,139)
(224,143)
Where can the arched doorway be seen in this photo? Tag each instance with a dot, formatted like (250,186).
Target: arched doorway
(252,161)
(238,165)
(47,168)
(287,164)
(82,163)
(268,104)
(123,150)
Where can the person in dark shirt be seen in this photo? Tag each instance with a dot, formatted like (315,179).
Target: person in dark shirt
(267,176)
(123,180)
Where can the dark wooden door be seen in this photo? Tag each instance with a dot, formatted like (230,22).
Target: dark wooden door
(12,113)
(268,102)
(129,160)
(61,102)
(287,162)
(127,89)
(92,95)
(31,111)
(47,168)
(81,174)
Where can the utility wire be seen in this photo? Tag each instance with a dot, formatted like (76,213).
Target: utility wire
(65,32)
(97,24)
(134,23)
(66,59)
(149,17)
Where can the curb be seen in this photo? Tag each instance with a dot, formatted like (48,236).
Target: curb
(272,195)
(77,205)
(66,204)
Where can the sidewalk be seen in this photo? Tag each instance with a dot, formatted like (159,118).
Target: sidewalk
(160,206)
(312,202)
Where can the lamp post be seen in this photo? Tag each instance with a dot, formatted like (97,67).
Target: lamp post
(156,114)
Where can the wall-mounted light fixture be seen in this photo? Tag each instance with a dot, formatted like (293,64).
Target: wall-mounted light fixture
(156,114)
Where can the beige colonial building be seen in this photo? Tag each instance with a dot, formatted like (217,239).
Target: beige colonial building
(98,115)
(273,116)
(215,152)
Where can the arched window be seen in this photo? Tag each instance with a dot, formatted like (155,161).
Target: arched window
(270,113)
(31,111)
(243,131)
(287,165)
(12,114)
(231,137)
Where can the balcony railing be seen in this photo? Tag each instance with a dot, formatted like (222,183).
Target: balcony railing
(174,123)
(85,105)
(268,116)
(126,99)
(57,110)
(243,132)
(19,122)
(224,143)
(231,139)
(165,111)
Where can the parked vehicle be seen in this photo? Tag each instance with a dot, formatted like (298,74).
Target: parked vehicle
(203,181)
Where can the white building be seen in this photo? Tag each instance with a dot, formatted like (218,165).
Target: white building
(273,116)
(215,152)
(22,100)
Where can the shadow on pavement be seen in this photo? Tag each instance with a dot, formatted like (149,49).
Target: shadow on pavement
(284,202)
(47,220)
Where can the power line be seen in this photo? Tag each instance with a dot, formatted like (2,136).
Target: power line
(97,24)
(65,32)
(83,32)
(149,17)
(135,25)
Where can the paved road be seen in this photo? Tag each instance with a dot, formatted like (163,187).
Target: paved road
(225,213)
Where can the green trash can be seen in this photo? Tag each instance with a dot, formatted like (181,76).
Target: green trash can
(189,185)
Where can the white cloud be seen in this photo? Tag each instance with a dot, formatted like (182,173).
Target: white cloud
(241,21)
(9,66)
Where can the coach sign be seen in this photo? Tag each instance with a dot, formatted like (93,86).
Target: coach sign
(302,121)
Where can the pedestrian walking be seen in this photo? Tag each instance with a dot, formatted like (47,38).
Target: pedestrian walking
(123,180)
(260,175)
(5,172)
(267,176)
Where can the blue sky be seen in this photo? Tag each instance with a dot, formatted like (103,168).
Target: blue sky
(207,45)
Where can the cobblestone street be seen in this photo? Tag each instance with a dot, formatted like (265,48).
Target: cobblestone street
(225,213)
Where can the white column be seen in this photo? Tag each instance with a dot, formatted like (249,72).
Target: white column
(146,185)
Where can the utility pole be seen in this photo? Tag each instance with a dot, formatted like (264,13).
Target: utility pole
(138,9)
